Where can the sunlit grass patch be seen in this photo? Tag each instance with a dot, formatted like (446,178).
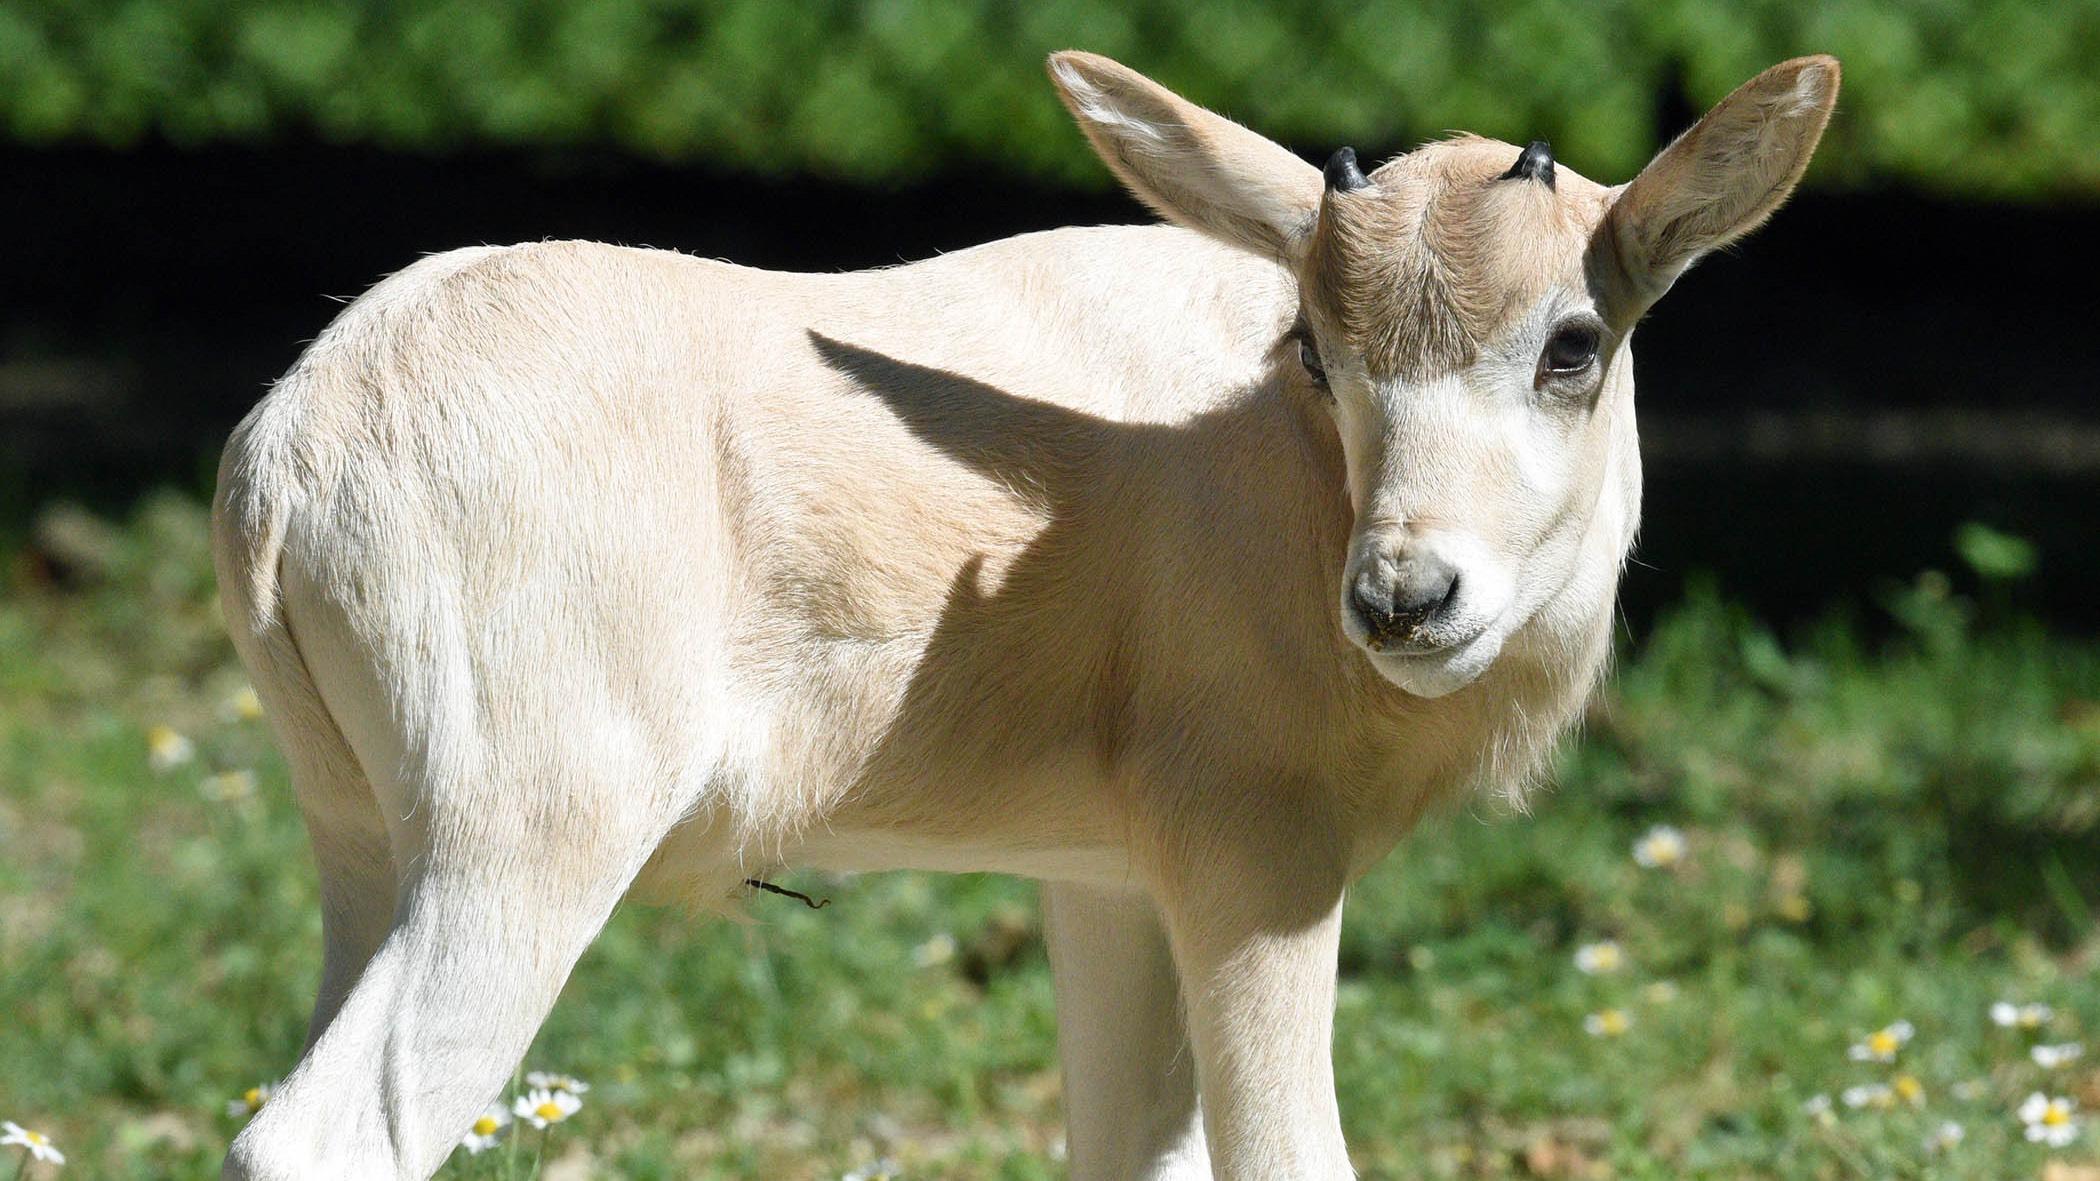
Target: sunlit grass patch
(1766,852)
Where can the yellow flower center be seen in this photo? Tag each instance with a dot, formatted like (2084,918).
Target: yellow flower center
(253,1097)
(1612,1022)
(486,1126)
(36,1138)
(549,1111)
(1884,1043)
(2055,1115)
(1909,1088)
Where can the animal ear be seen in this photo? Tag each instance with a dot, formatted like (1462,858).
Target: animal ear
(1196,168)
(1721,179)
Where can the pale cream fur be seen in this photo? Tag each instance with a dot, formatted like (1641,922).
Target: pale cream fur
(566,570)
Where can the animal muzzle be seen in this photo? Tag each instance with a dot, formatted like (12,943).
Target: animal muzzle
(1407,601)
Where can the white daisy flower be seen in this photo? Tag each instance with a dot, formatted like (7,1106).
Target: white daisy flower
(547,1080)
(14,1135)
(1868,1095)
(487,1130)
(540,1107)
(2051,1057)
(1946,1136)
(935,951)
(1882,1044)
(1602,958)
(1817,1108)
(250,1100)
(882,1170)
(227,786)
(1660,848)
(241,705)
(2050,1121)
(167,749)
(2007,1015)
(1609,1023)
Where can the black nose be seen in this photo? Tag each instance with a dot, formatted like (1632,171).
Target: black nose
(1421,587)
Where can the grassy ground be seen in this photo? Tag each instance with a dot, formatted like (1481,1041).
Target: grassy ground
(1903,831)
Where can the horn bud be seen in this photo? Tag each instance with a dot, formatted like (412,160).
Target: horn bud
(1535,162)
(1343,175)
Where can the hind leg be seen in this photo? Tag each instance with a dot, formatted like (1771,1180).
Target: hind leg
(356,867)
(509,882)
(352,849)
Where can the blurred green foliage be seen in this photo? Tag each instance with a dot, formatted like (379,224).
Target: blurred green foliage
(1986,98)
(1994,555)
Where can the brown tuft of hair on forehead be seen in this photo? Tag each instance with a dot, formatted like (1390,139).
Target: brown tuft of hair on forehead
(1420,269)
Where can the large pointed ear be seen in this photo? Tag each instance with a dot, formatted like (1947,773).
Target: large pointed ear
(1721,179)
(1194,167)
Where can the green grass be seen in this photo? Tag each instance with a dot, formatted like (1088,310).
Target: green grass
(1901,829)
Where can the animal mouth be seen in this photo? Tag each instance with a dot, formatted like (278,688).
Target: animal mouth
(1427,640)
(1446,668)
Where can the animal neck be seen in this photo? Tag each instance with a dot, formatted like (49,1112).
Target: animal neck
(1397,755)
(1497,735)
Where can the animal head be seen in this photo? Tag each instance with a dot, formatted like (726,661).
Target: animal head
(1465,313)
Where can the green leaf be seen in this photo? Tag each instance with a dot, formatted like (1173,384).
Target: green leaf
(1996,556)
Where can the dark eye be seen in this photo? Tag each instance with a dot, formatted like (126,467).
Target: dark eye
(1570,350)
(1309,357)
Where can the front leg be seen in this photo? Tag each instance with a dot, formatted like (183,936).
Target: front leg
(1256,952)
(1130,1085)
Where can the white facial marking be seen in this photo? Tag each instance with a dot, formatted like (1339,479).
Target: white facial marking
(1466,480)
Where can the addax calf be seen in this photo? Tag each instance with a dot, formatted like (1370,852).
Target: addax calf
(1179,567)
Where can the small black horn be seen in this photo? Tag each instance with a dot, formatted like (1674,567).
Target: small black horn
(1343,176)
(1534,163)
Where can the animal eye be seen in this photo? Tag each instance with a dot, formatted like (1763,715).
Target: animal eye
(1571,349)
(1309,357)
